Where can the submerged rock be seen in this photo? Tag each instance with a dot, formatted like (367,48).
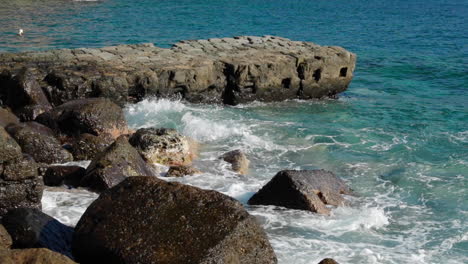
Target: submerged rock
(117,162)
(31,228)
(96,116)
(310,190)
(162,145)
(181,171)
(222,70)
(33,256)
(238,160)
(68,175)
(147,220)
(39,142)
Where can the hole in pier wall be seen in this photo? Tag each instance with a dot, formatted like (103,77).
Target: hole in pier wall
(286,83)
(343,71)
(317,74)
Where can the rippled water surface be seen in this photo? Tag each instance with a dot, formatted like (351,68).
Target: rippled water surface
(398,136)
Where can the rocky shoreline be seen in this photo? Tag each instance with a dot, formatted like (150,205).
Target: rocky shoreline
(65,105)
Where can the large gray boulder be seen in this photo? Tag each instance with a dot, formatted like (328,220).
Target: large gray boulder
(24,94)
(311,190)
(147,220)
(221,70)
(96,116)
(39,142)
(117,162)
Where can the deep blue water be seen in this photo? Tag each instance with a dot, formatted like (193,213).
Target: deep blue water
(398,136)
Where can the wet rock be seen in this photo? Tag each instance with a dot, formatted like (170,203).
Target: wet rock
(311,190)
(33,256)
(39,142)
(19,169)
(224,70)
(96,116)
(60,175)
(328,261)
(9,148)
(147,220)
(238,160)
(5,238)
(162,145)
(20,185)
(87,146)
(7,118)
(181,171)
(24,94)
(117,162)
(31,228)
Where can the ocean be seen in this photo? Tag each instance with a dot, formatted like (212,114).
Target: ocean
(398,136)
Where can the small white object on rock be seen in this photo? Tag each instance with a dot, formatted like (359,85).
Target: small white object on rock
(20,32)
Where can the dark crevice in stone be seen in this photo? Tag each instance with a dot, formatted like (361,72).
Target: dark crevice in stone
(228,94)
(343,71)
(322,198)
(286,83)
(317,74)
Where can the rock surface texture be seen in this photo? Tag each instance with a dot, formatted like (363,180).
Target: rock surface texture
(5,238)
(162,145)
(117,162)
(39,142)
(310,190)
(225,70)
(20,184)
(147,220)
(181,171)
(33,256)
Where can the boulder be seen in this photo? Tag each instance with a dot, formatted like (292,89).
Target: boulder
(96,116)
(7,118)
(5,238)
(162,145)
(31,228)
(147,220)
(10,149)
(328,261)
(39,142)
(87,146)
(33,256)
(19,169)
(238,160)
(312,190)
(60,175)
(20,185)
(24,94)
(117,162)
(180,171)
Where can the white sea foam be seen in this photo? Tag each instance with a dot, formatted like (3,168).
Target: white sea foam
(67,206)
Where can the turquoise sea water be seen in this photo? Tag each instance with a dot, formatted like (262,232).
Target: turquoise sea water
(398,136)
